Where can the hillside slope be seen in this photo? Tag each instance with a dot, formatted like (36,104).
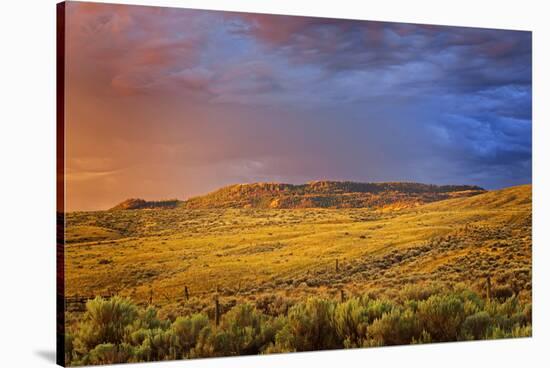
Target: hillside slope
(251,252)
(518,197)
(184,261)
(328,194)
(138,204)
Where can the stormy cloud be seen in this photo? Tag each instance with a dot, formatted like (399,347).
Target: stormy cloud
(167,103)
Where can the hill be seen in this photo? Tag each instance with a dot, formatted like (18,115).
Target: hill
(329,194)
(316,194)
(252,252)
(516,198)
(461,262)
(209,261)
(137,204)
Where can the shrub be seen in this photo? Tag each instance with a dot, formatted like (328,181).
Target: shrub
(273,305)
(105,321)
(186,331)
(243,326)
(508,307)
(473,303)
(424,338)
(503,292)
(158,345)
(69,347)
(270,329)
(375,308)
(137,337)
(507,314)
(115,330)
(205,347)
(476,325)
(351,321)
(394,328)
(110,354)
(441,316)
(527,313)
(497,332)
(418,292)
(311,325)
(148,319)
(284,341)
(243,330)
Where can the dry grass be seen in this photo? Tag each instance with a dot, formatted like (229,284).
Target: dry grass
(253,253)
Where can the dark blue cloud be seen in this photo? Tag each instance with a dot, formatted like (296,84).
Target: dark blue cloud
(472,87)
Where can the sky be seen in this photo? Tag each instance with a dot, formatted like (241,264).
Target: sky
(172,103)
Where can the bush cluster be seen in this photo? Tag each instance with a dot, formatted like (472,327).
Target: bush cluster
(115,330)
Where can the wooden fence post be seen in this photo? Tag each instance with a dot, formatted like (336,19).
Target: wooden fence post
(217,310)
(186,292)
(151,296)
(337,269)
(342,296)
(489,292)
(515,287)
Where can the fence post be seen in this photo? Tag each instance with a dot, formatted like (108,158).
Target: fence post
(337,268)
(488,290)
(515,287)
(151,296)
(217,310)
(342,296)
(186,292)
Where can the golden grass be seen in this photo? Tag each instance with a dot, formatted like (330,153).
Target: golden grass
(251,252)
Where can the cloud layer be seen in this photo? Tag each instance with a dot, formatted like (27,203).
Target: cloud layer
(173,103)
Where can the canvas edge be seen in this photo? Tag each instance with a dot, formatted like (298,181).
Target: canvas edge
(60,183)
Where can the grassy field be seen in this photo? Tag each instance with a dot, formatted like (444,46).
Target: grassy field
(259,256)
(247,252)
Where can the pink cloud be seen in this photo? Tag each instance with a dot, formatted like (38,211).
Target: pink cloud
(131,50)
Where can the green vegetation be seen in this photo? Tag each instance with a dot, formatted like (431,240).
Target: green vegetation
(116,331)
